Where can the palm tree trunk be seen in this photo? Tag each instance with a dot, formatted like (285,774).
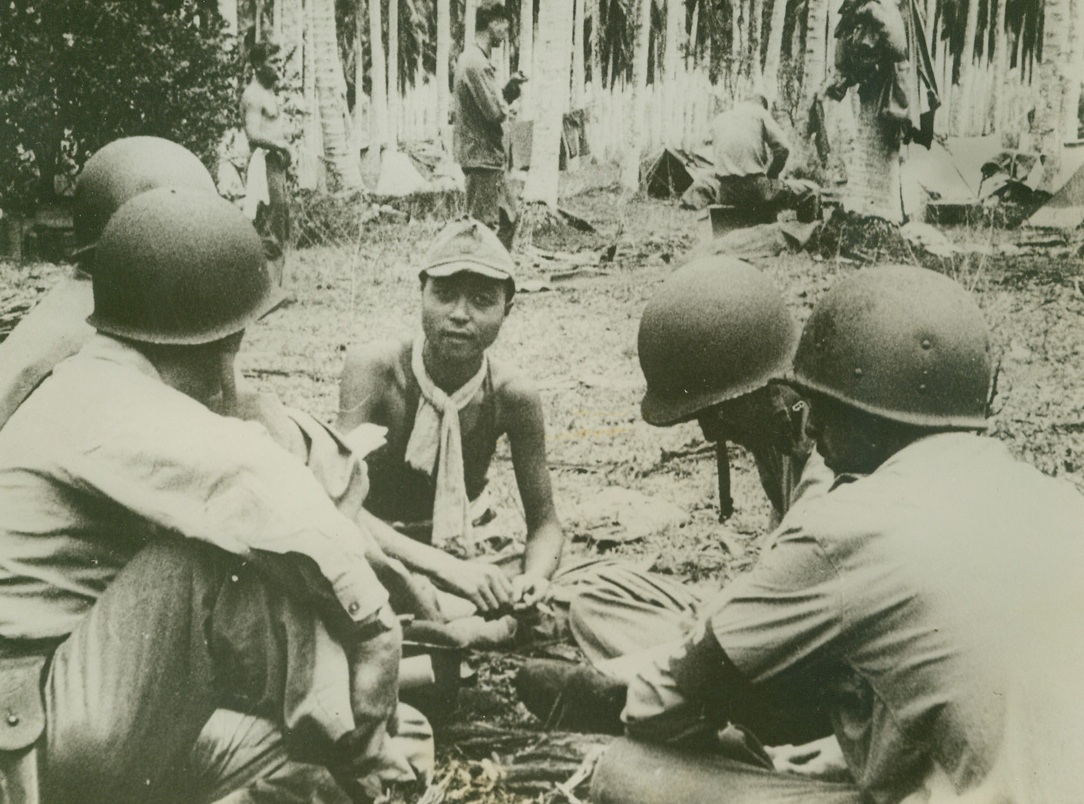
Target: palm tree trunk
(344,169)
(756,19)
(1049,123)
(444,56)
(227,9)
(961,124)
(1075,72)
(672,94)
(578,79)
(816,50)
(469,14)
(360,22)
(594,13)
(774,57)
(526,56)
(554,61)
(675,38)
(297,91)
(378,117)
(634,144)
(740,32)
(394,98)
(1000,67)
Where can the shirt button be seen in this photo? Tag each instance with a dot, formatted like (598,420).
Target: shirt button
(353,607)
(13,719)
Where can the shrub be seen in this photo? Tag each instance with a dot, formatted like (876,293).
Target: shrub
(76,74)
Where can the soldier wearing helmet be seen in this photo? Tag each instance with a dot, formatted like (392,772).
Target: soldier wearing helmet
(901,605)
(56,328)
(445,401)
(185,577)
(713,340)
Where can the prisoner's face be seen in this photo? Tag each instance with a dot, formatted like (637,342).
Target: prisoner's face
(462,314)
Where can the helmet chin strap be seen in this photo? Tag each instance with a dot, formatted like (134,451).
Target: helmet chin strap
(722,459)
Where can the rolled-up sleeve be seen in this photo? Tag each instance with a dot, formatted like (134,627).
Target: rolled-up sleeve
(778,615)
(225,482)
(781,612)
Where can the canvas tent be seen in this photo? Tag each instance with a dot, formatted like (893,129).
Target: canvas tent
(1064,209)
(669,172)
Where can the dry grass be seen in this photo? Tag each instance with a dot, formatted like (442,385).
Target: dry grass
(579,344)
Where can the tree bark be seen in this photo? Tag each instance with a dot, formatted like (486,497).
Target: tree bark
(1048,127)
(673,70)
(344,168)
(961,124)
(394,98)
(360,21)
(578,78)
(594,13)
(291,33)
(1075,72)
(227,9)
(675,38)
(634,144)
(469,15)
(378,117)
(756,19)
(816,50)
(740,33)
(297,92)
(554,62)
(774,56)
(1000,67)
(444,56)
(526,57)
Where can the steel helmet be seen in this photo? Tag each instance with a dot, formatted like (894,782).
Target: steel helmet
(123,169)
(903,343)
(717,328)
(179,266)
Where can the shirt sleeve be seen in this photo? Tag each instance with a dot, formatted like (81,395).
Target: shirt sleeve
(773,135)
(783,611)
(481,84)
(226,483)
(765,622)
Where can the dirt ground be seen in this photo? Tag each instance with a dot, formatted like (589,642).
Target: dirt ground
(578,341)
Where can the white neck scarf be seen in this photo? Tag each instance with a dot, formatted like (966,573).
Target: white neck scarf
(436,444)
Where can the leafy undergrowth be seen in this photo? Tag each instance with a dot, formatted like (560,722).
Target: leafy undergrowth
(578,341)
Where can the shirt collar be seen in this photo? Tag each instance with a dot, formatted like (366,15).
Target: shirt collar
(111,350)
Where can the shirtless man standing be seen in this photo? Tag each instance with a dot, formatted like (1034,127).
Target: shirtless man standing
(265,128)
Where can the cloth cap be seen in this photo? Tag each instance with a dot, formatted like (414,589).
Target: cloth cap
(469,245)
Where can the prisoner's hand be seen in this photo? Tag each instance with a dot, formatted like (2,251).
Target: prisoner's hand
(528,590)
(482,584)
